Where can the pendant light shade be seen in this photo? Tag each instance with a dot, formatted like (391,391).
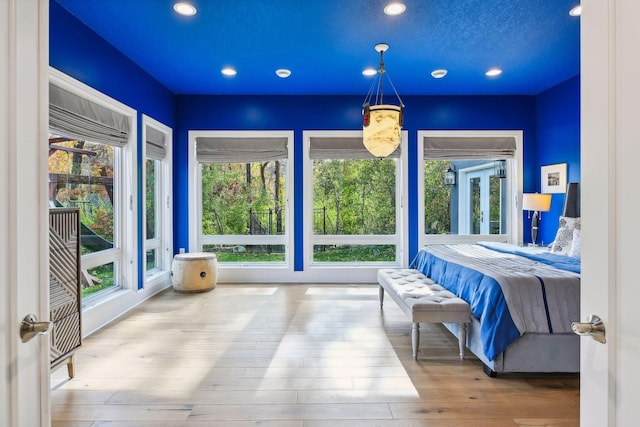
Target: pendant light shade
(381,123)
(382,135)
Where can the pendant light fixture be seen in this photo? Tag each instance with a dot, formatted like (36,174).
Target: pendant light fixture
(381,123)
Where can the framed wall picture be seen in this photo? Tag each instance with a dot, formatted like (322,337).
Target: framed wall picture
(554,178)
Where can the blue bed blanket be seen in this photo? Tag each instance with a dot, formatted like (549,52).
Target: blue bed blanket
(510,294)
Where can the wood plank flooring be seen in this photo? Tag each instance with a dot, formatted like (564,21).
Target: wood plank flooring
(292,356)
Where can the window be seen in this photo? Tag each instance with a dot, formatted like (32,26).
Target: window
(242,202)
(487,167)
(354,206)
(158,247)
(91,153)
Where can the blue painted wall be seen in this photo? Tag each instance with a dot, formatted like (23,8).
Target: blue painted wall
(300,113)
(80,53)
(550,121)
(558,128)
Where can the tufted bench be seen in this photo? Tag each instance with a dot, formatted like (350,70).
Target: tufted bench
(425,301)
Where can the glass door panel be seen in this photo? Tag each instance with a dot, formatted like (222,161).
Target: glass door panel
(475,205)
(495,205)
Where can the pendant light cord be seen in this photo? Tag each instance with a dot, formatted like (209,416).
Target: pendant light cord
(378,86)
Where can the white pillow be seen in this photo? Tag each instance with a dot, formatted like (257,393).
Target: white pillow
(564,235)
(574,251)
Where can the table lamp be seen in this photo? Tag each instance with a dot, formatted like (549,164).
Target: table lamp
(536,203)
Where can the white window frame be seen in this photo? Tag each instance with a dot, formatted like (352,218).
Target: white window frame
(242,271)
(124,253)
(335,272)
(163,242)
(514,190)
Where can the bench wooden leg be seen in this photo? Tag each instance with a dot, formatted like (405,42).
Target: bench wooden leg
(381,291)
(415,339)
(462,338)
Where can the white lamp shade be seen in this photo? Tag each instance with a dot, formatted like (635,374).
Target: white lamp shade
(536,202)
(382,135)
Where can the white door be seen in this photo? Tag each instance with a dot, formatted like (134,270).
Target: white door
(477,203)
(610,151)
(24,393)
(481,189)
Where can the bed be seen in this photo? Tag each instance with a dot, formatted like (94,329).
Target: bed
(522,301)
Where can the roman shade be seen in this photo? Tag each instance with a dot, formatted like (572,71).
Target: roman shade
(155,144)
(469,148)
(342,148)
(77,117)
(240,150)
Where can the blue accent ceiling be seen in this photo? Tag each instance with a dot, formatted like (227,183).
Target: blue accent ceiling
(328,43)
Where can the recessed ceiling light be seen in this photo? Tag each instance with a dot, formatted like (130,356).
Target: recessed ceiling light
(576,11)
(229,72)
(184,8)
(493,72)
(283,73)
(438,74)
(395,8)
(369,72)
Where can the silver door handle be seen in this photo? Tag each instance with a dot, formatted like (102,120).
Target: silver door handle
(593,328)
(30,327)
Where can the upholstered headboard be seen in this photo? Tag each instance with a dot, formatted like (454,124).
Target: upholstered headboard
(572,201)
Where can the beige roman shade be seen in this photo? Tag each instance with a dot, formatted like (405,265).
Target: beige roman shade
(342,148)
(469,148)
(76,117)
(155,144)
(240,150)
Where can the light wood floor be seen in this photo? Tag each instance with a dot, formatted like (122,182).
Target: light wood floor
(292,355)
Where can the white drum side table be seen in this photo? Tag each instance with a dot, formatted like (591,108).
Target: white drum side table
(194,272)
